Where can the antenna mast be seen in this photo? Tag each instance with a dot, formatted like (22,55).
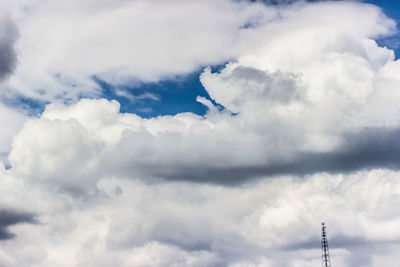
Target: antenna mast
(326,261)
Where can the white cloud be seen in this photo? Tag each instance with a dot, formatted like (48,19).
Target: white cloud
(337,77)
(69,145)
(11,122)
(274,222)
(316,53)
(64,44)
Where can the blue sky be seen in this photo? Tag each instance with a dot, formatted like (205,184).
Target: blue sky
(392,10)
(175,95)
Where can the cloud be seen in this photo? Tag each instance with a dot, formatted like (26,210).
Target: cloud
(121,54)
(8,57)
(123,42)
(286,2)
(9,217)
(274,221)
(93,139)
(10,120)
(134,98)
(246,85)
(370,148)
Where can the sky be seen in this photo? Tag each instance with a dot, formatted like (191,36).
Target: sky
(212,133)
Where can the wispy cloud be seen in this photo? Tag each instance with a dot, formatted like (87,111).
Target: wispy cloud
(134,97)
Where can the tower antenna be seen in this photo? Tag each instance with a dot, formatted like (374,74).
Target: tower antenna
(326,261)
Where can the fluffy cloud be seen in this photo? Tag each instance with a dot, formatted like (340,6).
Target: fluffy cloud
(110,42)
(63,45)
(11,121)
(286,108)
(341,69)
(131,41)
(274,222)
(124,41)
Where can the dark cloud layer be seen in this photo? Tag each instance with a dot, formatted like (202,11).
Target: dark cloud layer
(9,217)
(284,2)
(336,241)
(370,148)
(8,57)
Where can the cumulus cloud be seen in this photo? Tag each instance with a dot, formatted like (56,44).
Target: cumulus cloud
(11,121)
(111,44)
(274,222)
(276,121)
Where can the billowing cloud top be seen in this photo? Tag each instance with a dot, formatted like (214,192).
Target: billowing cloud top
(302,126)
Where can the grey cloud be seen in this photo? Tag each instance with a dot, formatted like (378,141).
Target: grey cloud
(10,217)
(8,56)
(367,149)
(285,2)
(197,232)
(336,241)
(276,87)
(247,85)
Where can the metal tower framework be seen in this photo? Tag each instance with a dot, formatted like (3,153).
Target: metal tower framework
(326,261)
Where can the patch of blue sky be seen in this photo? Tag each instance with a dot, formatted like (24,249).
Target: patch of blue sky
(166,97)
(30,106)
(392,9)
